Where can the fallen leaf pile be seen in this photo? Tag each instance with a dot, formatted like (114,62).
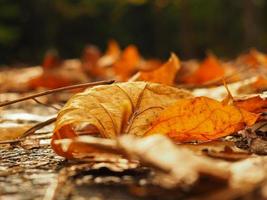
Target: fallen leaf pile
(179,165)
(188,123)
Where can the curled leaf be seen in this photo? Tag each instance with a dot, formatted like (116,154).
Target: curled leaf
(201,118)
(165,74)
(111,110)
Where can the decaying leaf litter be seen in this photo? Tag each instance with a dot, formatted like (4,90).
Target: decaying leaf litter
(164,130)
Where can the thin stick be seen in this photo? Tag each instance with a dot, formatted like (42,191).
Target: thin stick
(10,141)
(83,85)
(37,127)
(44,104)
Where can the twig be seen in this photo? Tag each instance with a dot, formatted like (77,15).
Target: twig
(11,141)
(56,90)
(44,104)
(37,127)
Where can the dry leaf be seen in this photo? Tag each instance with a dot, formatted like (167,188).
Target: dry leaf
(51,60)
(175,165)
(112,54)
(10,131)
(165,74)
(210,69)
(67,73)
(90,57)
(112,110)
(17,79)
(149,65)
(253,58)
(260,84)
(49,78)
(252,103)
(201,118)
(127,64)
(219,92)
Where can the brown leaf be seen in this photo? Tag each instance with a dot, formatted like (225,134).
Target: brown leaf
(109,111)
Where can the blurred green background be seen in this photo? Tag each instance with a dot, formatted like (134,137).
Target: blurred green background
(188,27)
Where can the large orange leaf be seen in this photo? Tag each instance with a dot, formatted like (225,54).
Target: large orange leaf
(209,69)
(165,74)
(201,118)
